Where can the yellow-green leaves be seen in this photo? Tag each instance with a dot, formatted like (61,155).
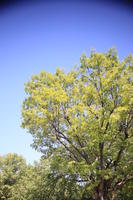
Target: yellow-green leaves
(84,117)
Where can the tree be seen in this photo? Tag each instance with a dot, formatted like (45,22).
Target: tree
(12,167)
(83,122)
(32,182)
(42,183)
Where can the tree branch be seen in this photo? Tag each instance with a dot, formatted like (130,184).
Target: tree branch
(77,150)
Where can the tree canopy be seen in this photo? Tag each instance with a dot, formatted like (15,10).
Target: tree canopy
(12,168)
(19,181)
(82,121)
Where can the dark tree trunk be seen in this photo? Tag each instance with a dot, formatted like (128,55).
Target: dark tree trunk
(101,192)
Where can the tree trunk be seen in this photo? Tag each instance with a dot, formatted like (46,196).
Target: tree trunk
(113,197)
(100,193)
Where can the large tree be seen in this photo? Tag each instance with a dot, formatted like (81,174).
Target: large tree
(83,121)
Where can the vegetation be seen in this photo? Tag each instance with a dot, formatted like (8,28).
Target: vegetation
(82,122)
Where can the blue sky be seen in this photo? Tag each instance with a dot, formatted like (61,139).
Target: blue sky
(45,35)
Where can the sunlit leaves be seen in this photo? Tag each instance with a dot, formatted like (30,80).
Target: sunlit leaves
(84,117)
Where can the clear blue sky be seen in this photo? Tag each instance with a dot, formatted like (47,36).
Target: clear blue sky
(41,36)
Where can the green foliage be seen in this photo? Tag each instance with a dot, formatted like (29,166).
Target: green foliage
(40,182)
(12,169)
(19,181)
(83,121)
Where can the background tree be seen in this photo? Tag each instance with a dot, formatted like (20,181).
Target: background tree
(32,182)
(42,183)
(83,121)
(12,167)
